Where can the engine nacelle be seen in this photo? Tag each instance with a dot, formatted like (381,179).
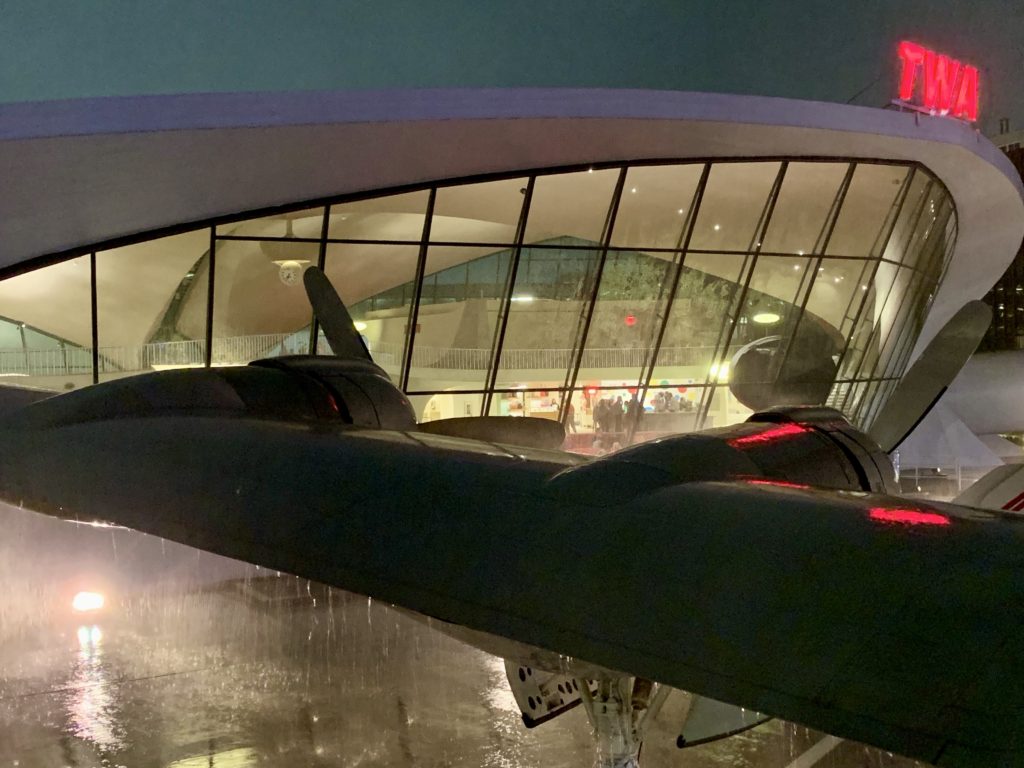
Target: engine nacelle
(799,446)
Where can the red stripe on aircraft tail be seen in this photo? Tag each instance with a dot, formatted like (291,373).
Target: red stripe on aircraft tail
(1016,503)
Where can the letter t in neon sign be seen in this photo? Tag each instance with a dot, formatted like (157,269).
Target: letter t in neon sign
(948,87)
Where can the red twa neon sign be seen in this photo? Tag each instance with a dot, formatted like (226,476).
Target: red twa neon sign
(947,86)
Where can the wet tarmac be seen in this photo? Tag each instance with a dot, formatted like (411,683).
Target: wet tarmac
(200,661)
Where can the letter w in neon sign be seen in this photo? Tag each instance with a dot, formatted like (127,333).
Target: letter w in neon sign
(947,86)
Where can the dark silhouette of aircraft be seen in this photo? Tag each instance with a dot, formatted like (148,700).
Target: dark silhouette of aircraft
(768,566)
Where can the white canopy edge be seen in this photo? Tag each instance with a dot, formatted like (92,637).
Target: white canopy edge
(83,172)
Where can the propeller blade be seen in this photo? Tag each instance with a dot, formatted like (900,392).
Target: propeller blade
(333,316)
(929,377)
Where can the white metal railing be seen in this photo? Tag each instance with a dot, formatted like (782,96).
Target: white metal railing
(238,350)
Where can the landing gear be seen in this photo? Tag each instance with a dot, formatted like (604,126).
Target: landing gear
(620,711)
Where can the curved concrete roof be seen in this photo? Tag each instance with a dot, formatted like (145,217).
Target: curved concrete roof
(83,172)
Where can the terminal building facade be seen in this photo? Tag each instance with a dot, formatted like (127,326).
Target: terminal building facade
(681,278)
(630,263)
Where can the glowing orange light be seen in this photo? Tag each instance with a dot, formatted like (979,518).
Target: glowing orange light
(907,516)
(84,602)
(768,436)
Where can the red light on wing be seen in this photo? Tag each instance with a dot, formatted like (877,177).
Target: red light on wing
(779,484)
(907,516)
(768,436)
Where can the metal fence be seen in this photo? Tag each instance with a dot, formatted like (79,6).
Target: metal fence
(239,350)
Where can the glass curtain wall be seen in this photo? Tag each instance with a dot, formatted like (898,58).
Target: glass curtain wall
(627,302)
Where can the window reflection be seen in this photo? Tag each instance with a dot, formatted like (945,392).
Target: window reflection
(690,294)
(734,201)
(139,328)
(800,215)
(46,327)
(571,205)
(259,302)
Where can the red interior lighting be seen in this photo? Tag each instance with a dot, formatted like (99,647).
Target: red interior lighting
(907,516)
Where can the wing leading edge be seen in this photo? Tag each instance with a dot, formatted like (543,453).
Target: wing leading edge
(858,614)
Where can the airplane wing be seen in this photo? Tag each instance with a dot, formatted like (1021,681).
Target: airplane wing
(861,615)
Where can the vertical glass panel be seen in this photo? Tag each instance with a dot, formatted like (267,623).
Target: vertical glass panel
(151,304)
(776,359)
(867,206)
(625,320)
(571,205)
(799,217)
(553,288)
(930,233)
(654,205)
(447,405)
(600,415)
(536,402)
(394,217)
(669,408)
(723,407)
(462,294)
(303,224)
(837,292)
(46,327)
(733,202)
(909,216)
(705,305)
(898,308)
(260,308)
(478,213)
(379,299)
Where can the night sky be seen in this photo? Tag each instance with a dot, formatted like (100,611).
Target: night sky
(801,48)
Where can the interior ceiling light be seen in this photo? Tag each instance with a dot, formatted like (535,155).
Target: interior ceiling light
(765,318)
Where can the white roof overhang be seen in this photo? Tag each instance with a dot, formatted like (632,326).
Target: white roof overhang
(84,172)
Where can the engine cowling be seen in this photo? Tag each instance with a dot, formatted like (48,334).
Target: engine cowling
(806,446)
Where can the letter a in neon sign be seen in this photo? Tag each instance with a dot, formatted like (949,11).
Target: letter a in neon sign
(947,86)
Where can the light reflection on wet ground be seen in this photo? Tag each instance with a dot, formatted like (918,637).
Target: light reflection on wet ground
(204,662)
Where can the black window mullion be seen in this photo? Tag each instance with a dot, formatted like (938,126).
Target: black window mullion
(898,203)
(730,323)
(644,383)
(414,308)
(498,341)
(211,275)
(588,315)
(321,262)
(820,248)
(93,321)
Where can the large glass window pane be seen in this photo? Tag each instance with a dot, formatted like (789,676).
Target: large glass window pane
(837,292)
(731,207)
(260,308)
(909,216)
(379,299)
(151,304)
(867,206)
(598,422)
(552,290)
(571,206)
(626,319)
(46,327)
(393,217)
(654,206)
(930,233)
(478,213)
(775,359)
(799,217)
(669,408)
(705,303)
(302,224)
(457,318)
